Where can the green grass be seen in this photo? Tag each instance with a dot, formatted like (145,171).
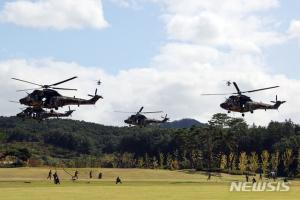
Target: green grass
(30,183)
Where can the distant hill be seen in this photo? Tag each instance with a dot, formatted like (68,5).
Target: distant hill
(66,138)
(183,123)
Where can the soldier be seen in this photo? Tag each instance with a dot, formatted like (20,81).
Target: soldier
(49,175)
(260,176)
(247,178)
(91,174)
(75,175)
(209,176)
(118,180)
(273,175)
(56,178)
(100,175)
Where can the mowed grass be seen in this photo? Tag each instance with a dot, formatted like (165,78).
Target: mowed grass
(31,184)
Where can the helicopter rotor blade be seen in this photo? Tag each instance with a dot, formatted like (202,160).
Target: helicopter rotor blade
(13,101)
(56,88)
(151,112)
(267,88)
(58,83)
(28,89)
(124,112)
(218,94)
(26,82)
(141,109)
(237,88)
(139,112)
(164,117)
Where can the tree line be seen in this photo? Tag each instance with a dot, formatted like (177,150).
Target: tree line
(223,144)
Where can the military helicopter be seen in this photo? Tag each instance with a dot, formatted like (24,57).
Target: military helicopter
(138,119)
(99,82)
(239,102)
(47,97)
(41,114)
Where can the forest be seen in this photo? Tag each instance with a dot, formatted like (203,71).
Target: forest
(224,144)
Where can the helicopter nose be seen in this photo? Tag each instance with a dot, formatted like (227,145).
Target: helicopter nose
(23,101)
(126,121)
(223,105)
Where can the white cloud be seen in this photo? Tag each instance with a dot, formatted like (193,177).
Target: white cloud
(294,29)
(219,6)
(211,41)
(175,90)
(126,3)
(233,23)
(54,14)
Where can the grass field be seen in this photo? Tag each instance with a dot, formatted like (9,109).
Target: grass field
(31,184)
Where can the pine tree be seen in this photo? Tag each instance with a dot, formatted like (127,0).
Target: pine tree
(298,162)
(287,159)
(223,162)
(169,161)
(161,160)
(185,162)
(265,161)
(243,162)
(174,165)
(141,163)
(231,163)
(275,161)
(147,161)
(155,162)
(176,155)
(253,162)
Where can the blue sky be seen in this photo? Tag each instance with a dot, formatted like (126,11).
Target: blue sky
(285,58)
(133,38)
(172,50)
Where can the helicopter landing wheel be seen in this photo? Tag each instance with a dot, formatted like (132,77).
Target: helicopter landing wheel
(228,111)
(251,111)
(243,115)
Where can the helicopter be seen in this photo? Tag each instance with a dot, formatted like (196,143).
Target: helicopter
(99,82)
(138,119)
(41,114)
(47,97)
(241,103)
(228,82)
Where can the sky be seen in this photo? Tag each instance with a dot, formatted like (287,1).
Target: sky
(160,54)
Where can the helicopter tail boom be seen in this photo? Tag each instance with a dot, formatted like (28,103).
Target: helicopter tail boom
(277,103)
(165,119)
(94,98)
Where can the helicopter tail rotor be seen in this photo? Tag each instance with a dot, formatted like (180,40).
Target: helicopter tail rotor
(165,118)
(69,112)
(276,99)
(95,95)
(277,103)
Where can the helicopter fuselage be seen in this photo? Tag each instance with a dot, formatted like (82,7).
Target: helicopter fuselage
(243,103)
(41,114)
(142,120)
(50,99)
